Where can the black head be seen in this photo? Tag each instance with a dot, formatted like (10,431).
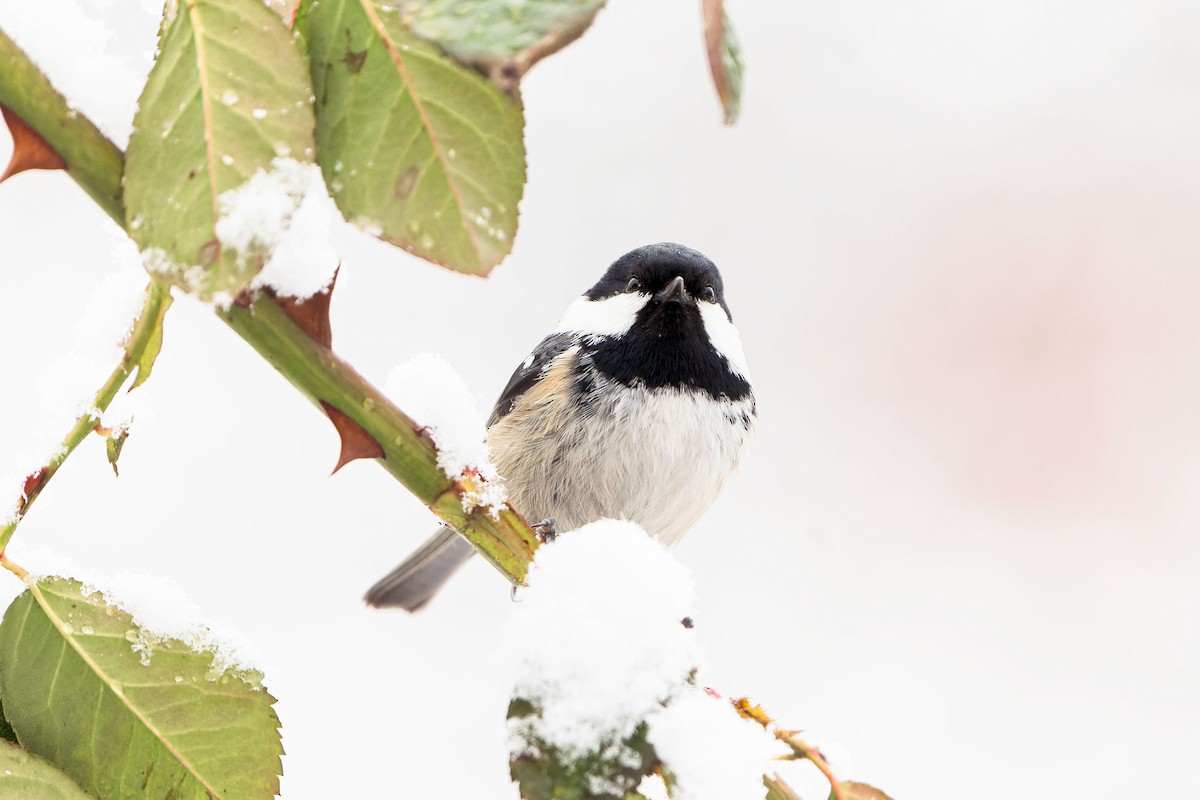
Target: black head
(658,318)
(652,269)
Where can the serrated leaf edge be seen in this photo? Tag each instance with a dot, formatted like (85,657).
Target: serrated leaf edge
(36,592)
(368,8)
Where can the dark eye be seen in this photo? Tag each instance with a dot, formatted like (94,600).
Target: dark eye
(710,294)
(633,285)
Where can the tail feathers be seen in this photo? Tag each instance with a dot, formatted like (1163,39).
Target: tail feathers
(412,584)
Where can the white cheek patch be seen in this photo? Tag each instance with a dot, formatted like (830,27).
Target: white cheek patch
(608,316)
(724,337)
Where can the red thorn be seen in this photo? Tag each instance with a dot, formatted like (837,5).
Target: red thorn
(30,150)
(356,442)
(34,481)
(311,314)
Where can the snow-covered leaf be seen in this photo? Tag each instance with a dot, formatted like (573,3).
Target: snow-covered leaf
(25,776)
(544,771)
(502,38)
(724,57)
(116,707)
(29,149)
(416,148)
(229,99)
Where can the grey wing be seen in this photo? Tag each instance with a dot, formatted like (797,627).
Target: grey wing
(531,370)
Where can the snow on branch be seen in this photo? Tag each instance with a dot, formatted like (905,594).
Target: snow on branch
(437,397)
(605,688)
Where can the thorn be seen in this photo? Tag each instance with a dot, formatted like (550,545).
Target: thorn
(311,314)
(34,482)
(356,442)
(30,150)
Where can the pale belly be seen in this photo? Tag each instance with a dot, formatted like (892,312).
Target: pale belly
(656,457)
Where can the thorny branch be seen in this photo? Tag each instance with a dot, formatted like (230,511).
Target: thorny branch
(140,348)
(96,164)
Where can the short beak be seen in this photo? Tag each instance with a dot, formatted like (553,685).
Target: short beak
(675,292)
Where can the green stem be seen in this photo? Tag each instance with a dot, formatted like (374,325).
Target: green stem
(96,164)
(93,161)
(409,454)
(142,338)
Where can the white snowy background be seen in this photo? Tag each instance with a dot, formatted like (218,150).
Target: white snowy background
(960,241)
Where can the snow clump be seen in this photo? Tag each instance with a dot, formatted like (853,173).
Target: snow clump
(287,214)
(600,647)
(430,391)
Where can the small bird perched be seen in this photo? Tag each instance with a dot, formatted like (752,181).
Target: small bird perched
(637,406)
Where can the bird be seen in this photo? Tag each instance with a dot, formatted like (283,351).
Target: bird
(636,406)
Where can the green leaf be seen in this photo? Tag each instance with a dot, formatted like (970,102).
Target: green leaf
(24,776)
(229,93)
(127,715)
(724,57)
(145,363)
(416,148)
(859,791)
(544,771)
(493,34)
(113,445)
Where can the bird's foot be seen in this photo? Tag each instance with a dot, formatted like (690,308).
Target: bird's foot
(545,530)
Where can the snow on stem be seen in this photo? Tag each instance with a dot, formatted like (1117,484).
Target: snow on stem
(92,159)
(95,163)
(139,351)
(604,678)
(429,389)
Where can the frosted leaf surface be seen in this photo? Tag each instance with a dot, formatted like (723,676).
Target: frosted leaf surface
(284,213)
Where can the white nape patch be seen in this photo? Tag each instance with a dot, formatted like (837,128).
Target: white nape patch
(724,336)
(608,316)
